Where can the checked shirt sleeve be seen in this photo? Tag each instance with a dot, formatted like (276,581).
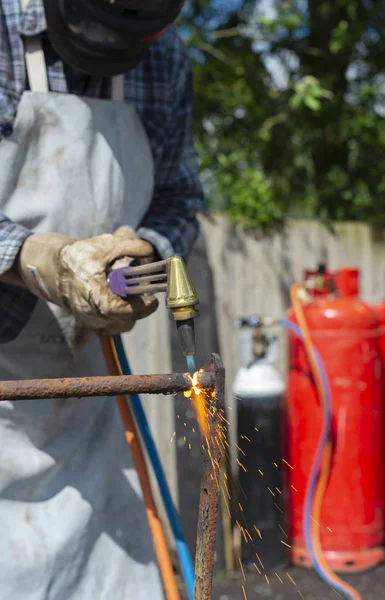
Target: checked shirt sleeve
(16,304)
(171,224)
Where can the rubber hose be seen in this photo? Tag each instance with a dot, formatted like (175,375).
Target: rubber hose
(132,437)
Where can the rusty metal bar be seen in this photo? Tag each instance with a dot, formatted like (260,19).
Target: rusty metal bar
(42,389)
(209,493)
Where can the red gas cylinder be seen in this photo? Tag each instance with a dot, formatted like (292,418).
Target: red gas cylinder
(345,332)
(381,317)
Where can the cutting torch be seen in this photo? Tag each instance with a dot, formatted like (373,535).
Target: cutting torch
(169,276)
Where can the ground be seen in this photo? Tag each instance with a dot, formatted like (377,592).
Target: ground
(307,586)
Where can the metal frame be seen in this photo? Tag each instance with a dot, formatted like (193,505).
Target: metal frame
(212,381)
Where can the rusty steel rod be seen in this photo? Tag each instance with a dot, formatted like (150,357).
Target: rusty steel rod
(209,492)
(43,389)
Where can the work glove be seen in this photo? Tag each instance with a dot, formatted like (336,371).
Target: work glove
(72,274)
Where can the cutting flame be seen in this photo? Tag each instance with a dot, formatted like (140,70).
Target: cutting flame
(198,401)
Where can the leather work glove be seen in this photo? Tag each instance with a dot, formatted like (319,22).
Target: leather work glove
(72,274)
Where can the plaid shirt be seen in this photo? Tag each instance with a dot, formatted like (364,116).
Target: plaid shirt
(161,89)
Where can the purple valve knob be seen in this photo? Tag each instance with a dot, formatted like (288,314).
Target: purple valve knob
(116,279)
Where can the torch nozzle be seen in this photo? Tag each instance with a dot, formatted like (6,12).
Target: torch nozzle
(186,330)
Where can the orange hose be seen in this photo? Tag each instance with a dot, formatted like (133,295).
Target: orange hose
(132,437)
(328,452)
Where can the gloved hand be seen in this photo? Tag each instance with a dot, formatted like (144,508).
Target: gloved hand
(72,273)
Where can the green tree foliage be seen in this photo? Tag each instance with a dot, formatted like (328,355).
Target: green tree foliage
(289,110)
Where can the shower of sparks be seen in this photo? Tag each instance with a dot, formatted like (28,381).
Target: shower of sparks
(214,432)
(243,573)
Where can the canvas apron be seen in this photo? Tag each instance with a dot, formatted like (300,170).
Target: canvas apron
(72,520)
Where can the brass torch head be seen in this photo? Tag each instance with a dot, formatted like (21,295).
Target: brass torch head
(181,295)
(181,299)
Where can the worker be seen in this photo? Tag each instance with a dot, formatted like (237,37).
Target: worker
(96,165)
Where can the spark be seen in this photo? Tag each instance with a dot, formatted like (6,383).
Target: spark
(258,531)
(286,463)
(303,598)
(283,531)
(185,424)
(295,489)
(184,438)
(260,562)
(257,569)
(240,506)
(331,531)
(243,573)
(241,465)
(189,446)
(247,439)
(280,509)
(244,592)
(285,544)
(261,472)
(291,579)
(316,522)
(242,532)
(256,429)
(279,578)
(247,531)
(271,492)
(278,490)
(275,464)
(268,582)
(193,430)
(240,449)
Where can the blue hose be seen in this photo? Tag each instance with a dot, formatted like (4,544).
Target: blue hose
(324,437)
(140,416)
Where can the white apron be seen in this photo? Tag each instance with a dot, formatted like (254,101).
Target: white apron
(72,520)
